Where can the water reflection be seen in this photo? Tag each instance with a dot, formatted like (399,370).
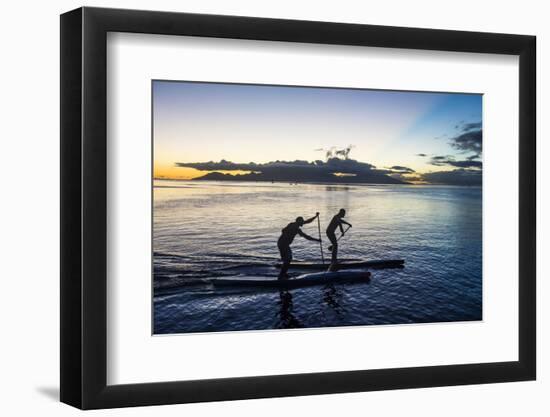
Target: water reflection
(337,188)
(436,229)
(332,297)
(287,320)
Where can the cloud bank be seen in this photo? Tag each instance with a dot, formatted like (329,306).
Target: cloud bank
(467,171)
(450,161)
(401,169)
(469,139)
(456,177)
(468,142)
(333,170)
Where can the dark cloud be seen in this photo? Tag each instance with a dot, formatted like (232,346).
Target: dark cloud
(468,142)
(467,139)
(466,164)
(401,169)
(456,177)
(450,161)
(302,170)
(348,166)
(467,172)
(222,165)
(406,177)
(470,126)
(421,154)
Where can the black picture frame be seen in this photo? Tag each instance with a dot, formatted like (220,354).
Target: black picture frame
(84,207)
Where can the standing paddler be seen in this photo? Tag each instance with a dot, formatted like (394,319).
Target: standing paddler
(335,223)
(287,236)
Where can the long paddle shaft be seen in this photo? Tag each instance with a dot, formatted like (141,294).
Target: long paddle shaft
(340,237)
(320,242)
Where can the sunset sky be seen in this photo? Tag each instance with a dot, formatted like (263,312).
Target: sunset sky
(200,122)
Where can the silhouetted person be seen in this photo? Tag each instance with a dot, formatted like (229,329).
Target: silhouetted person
(336,222)
(287,236)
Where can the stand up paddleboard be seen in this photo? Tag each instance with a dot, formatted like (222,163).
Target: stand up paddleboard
(381,263)
(304,280)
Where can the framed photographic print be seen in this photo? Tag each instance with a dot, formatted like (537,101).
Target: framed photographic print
(258,207)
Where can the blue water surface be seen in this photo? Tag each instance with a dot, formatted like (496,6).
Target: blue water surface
(207,229)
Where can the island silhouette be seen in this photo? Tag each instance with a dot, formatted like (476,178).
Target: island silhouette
(334,170)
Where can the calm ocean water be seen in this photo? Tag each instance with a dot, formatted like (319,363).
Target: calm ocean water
(209,229)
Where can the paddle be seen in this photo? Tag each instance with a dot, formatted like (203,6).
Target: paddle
(320,241)
(340,237)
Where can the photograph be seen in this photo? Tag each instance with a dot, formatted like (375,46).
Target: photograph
(284,207)
(340,209)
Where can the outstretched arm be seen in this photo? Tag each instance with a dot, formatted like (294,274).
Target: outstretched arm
(311,219)
(345,222)
(308,237)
